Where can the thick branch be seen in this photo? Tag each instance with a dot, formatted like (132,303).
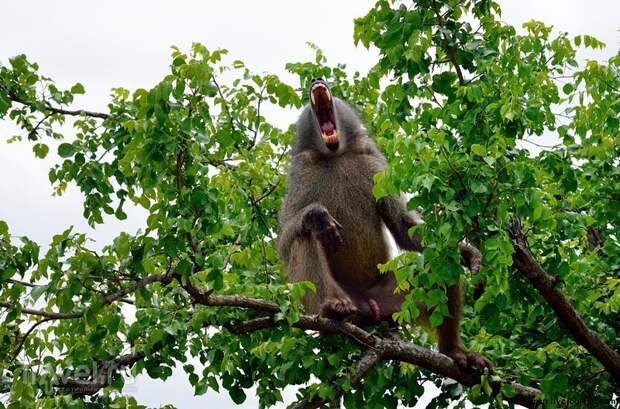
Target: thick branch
(378,348)
(445,366)
(525,262)
(255,324)
(386,348)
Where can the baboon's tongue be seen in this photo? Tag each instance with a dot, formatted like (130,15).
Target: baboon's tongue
(328,128)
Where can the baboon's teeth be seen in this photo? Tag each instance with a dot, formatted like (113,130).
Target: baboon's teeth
(331,139)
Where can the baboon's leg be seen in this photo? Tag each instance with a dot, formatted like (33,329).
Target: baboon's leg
(308,261)
(449,332)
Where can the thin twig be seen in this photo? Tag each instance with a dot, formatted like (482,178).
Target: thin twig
(30,330)
(56,110)
(257,125)
(367,362)
(451,50)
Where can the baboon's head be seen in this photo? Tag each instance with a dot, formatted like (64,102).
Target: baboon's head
(327,124)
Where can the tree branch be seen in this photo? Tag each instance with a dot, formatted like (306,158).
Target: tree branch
(368,361)
(386,348)
(257,125)
(252,325)
(56,110)
(24,283)
(163,278)
(546,285)
(101,375)
(450,49)
(108,299)
(378,348)
(219,162)
(45,314)
(25,336)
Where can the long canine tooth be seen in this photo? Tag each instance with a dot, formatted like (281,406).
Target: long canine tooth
(333,138)
(329,95)
(312,98)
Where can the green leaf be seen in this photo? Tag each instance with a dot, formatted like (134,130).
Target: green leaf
(40,150)
(237,395)
(37,291)
(436,318)
(77,89)
(479,150)
(66,150)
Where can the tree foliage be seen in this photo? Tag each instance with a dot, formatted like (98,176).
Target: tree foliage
(456,101)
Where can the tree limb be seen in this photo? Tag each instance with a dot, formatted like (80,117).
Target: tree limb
(378,348)
(386,348)
(25,336)
(368,361)
(525,262)
(45,314)
(252,325)
(101,375)
(451,49)
(56,110)
(107,300)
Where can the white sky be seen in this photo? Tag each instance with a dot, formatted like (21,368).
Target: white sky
(104,44)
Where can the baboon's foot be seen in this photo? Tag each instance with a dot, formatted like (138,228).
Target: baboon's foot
(338,307)
(465,359)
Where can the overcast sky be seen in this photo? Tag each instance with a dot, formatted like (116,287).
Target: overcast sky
(106,44)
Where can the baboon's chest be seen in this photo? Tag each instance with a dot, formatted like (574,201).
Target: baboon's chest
(344,190)
(348,197)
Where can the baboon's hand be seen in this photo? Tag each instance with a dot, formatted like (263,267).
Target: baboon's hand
(472,256)
(323,226)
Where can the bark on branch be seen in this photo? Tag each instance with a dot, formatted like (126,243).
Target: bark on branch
(378,348)
(385,348)
(107,300)
(451,50)
(56,110)
(368,361)
(546,285)
(101,375)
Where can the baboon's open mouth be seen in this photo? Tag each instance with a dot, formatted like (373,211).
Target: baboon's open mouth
(323,108)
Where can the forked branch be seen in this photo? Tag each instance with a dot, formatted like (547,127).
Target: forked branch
(546,285)
(368,361)
(384,348)
(378,348)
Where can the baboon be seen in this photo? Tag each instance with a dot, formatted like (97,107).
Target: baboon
(331,225)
